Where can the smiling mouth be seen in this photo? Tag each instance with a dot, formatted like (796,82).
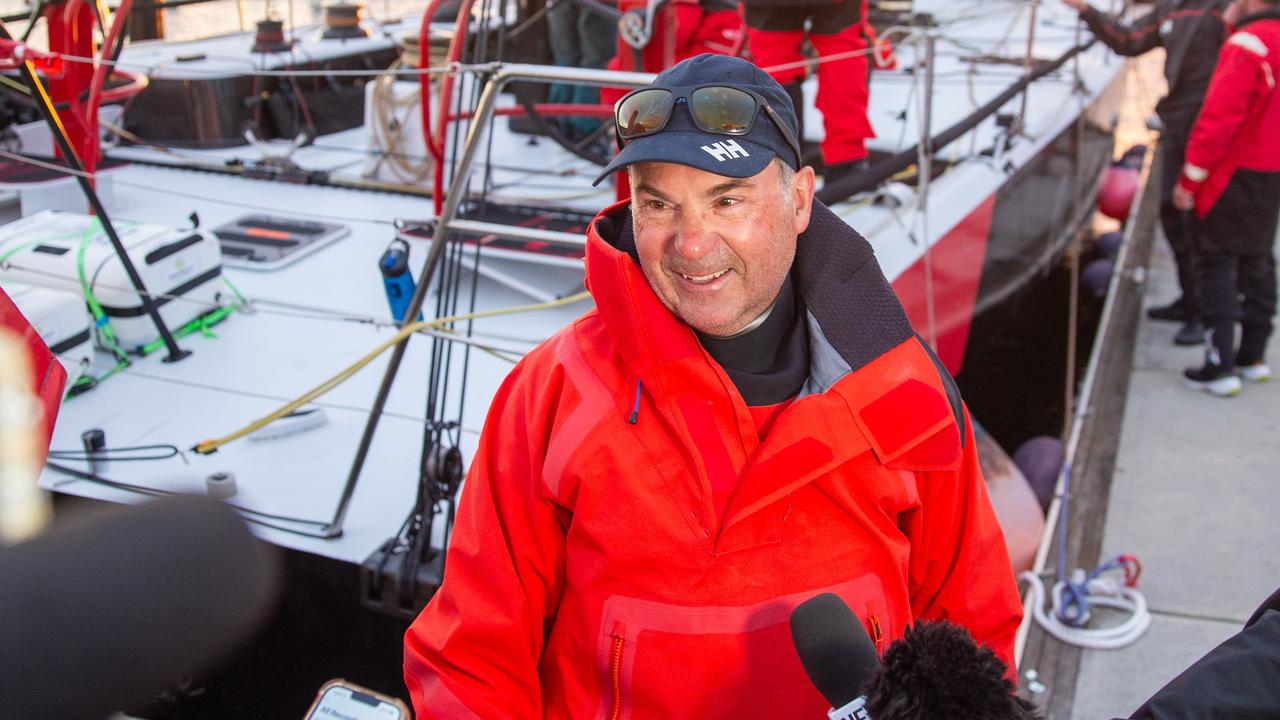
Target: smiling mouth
(702,279)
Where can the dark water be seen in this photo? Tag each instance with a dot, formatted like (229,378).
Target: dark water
(1015,368)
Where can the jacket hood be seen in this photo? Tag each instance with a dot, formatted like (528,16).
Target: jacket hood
(835,272)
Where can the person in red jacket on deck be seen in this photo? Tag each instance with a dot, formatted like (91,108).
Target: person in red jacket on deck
(838,31)
(744,421)
(1232,181)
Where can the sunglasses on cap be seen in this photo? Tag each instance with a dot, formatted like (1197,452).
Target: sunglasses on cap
(719,109)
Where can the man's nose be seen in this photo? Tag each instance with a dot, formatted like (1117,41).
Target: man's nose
(692,239)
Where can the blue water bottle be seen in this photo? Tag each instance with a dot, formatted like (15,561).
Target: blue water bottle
(397,279)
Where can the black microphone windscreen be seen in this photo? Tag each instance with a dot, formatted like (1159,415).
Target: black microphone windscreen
(936,670)
(834,648)
(97,615)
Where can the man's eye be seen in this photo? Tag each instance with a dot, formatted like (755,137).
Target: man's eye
(656,205)
(728,201)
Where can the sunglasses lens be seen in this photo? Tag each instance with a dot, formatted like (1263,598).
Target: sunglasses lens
(642,112)
(723,110)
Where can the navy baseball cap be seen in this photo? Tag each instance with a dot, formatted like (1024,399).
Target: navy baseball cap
(684,143)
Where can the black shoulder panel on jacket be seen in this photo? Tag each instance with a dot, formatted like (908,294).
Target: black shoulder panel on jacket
(843,286)
(953,390)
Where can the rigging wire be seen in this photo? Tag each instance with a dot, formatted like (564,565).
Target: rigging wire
(294,310)
(257,517)
(17,157)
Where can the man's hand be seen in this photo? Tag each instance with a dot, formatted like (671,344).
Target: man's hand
(1183,199)
(1077,5)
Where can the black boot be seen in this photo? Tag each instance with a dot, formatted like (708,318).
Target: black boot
(839,171)
(1174,312)
(1191,333)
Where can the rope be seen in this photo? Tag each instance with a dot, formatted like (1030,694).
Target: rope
(1073,601)
(208,446)
(388,130)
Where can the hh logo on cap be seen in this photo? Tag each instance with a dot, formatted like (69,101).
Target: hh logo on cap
(728,150)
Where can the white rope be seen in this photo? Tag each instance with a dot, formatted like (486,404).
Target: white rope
(1102,592)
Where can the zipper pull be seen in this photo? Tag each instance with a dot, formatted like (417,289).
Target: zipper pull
(877,634)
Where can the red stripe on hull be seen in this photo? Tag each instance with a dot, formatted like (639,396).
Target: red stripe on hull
(956,261)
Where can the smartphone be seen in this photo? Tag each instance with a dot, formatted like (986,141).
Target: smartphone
(342,700)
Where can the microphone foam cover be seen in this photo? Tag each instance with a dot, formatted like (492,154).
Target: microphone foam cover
(936,670)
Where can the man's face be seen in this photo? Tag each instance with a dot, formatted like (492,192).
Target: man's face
(716,249)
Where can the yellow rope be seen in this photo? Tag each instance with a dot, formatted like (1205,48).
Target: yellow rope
(14,84)
(209,446)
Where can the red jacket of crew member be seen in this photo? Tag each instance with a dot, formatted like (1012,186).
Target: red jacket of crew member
(1239,125)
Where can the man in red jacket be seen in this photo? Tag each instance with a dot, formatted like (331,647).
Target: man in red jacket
(1232,182)
(745,420)
(837,30)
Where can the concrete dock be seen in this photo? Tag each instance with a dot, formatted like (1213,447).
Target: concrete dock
(1194,496)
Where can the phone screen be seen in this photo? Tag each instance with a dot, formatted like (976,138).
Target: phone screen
(343,703)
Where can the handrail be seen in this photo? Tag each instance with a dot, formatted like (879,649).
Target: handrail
(1058,507)
(887,168)
(516,232)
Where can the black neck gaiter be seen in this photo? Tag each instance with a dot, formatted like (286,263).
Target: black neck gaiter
(769,363)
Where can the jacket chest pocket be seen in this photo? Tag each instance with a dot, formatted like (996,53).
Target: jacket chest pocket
(662,660)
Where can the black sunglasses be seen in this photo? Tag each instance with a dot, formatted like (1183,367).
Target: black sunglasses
(720,109)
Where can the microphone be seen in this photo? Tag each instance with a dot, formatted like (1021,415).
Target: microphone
(935,671)
(97,615)
(836,653)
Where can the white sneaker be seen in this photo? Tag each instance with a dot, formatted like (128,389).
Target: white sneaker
(1255,373)
(1213,380)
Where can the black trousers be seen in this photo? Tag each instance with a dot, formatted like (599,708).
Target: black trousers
(1238,288)
(1235,248)
(1176,223)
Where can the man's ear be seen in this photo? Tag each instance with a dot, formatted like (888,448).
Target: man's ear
(802,186)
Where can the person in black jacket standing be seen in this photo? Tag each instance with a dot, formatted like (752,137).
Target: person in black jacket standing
(1236,680)
(1191,32)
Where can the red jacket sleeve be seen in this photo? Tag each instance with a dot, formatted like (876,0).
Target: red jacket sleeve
(474,650)
(1237,84)
(960,569)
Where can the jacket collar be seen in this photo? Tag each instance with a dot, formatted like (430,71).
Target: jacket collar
(835,271)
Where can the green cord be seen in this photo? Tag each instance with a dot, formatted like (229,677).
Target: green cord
(201,324)
(235,290)
(100,319)
(16,249)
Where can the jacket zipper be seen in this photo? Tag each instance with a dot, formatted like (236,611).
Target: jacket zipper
(615,676)
(873,620)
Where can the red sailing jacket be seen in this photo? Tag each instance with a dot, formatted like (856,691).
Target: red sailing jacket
(588,574)
(1239,125)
